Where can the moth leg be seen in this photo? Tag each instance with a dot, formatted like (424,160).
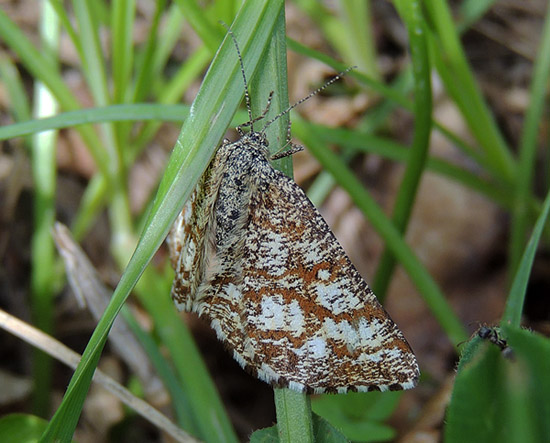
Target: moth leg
(294,148)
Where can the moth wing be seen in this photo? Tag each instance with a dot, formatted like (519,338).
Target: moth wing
(188,241)
(314,320)
(295,310)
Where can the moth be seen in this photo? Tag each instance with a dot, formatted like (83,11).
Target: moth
(254,257)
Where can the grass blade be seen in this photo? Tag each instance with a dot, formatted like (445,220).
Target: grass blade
(514,304)
(528,147)
(412,15)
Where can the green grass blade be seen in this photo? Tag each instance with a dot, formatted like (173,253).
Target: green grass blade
(192,389)
(356,18)
(92,202)
(42,246)
(134,112)
(208,33)
(181,405)
(93,61)
(471,11)
(528,147)
(333,28)
(411,13)
(450,60)
(514,304)
(17,96)
(144,62)
(123,12)
(167,39)
(63,18)
(224,10)
(122,59)
(294,420)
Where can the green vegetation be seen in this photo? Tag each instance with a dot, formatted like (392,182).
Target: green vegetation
(496,397)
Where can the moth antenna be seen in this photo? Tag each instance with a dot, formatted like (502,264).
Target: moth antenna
(307,97)
(246,94)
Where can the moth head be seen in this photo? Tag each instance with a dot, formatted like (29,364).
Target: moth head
(259,138)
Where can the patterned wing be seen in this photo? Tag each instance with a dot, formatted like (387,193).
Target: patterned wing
(294,309)
(187,243)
